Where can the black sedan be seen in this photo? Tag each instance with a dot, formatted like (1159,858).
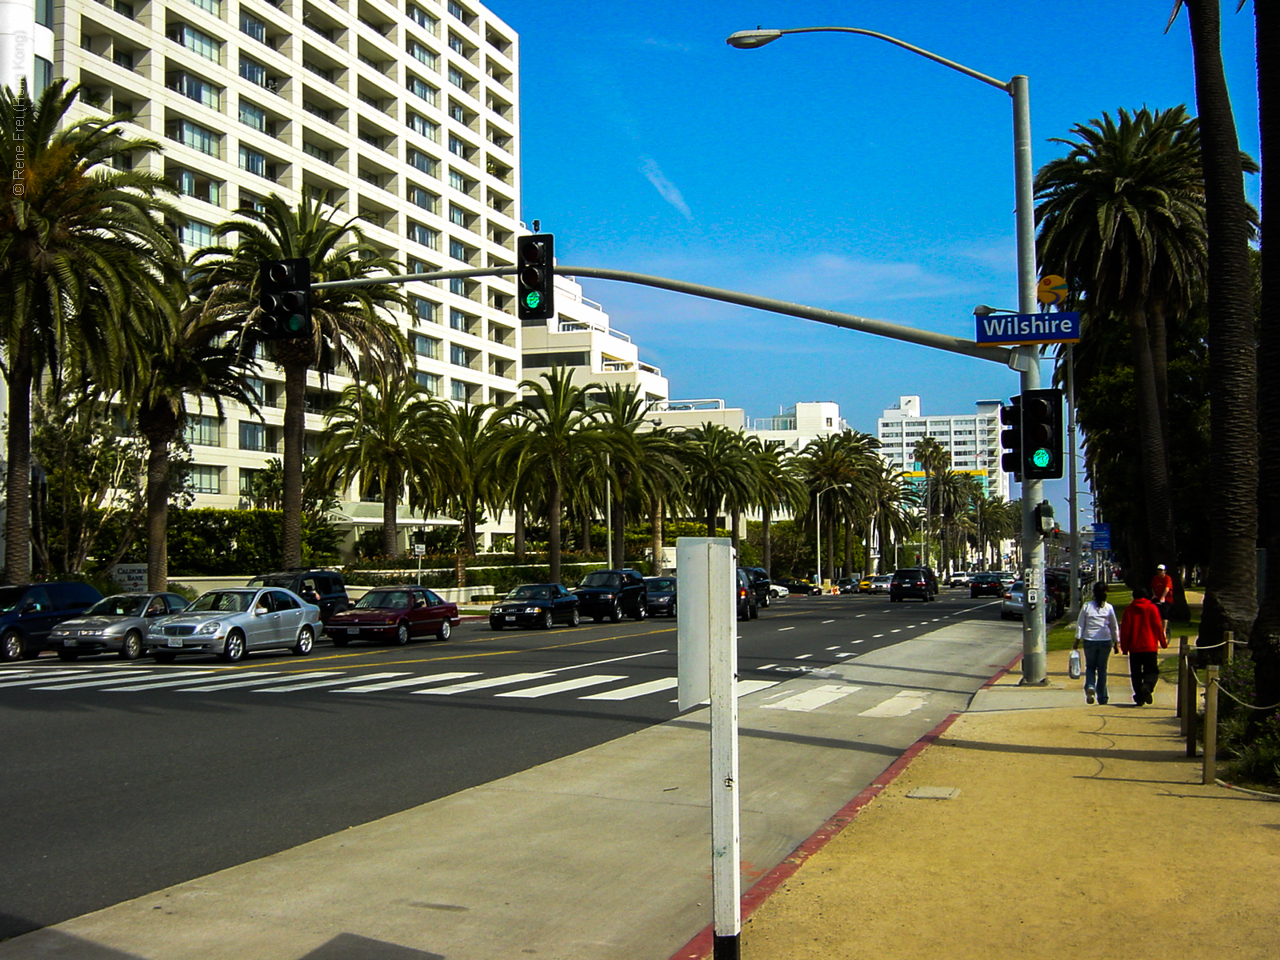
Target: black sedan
(662,596)
(535,605)
(798,587)
(986,585)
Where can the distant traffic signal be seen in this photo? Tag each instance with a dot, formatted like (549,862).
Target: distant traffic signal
(535,277)
(1042,434)
(284,297)
(1011,437)
(1044,522)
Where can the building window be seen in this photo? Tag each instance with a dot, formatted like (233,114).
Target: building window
(43,75)
(252,161)
(246,481)
(459,182)
(424,55)
(197,41)
(424,310)
(210,6)
(460,391)
(196,234)
(430,382)
(320,153)
(424,235)
(203,432)
(199,186)
(459,356)
(428,347)
(423,126)
(253,436)
(422,18)
(196,137)
(457,78)
(205,479)
(44,13)
(458,216)
(460,321)
(253,71)
(420,88)
(252,116)
(460,251)
(252,26)
(420,161)
(424,198)
(196,88)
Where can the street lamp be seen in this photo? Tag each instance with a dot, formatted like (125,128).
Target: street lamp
(1026,359)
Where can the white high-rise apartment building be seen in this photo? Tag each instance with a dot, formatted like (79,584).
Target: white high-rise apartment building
(405,113)
(973,440)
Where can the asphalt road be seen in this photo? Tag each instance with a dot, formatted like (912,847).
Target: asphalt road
(124,778)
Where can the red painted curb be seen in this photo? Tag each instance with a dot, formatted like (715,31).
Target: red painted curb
(700,947)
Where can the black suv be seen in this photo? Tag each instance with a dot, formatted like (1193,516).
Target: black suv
(912,582)
(324,588)
(28,613)
(612,593)
(760,583)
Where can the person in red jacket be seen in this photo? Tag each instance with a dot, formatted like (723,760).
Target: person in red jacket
(1141,635)
(1162,591)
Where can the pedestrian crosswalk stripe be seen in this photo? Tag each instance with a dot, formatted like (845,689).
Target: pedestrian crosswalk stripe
(273,678)
(80,683)
(407,682)
(899,705)
(574,683)
(638,690)
(745,687)
(44,677)
(481,684)
(808,700)
(184,681)
(331,682)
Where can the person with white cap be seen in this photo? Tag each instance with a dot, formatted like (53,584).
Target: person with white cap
(1162,593)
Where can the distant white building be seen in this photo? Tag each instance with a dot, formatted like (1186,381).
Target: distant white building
(794,426)
(973,440)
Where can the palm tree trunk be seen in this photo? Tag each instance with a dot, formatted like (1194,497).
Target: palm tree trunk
(157,514)
(517,537)
(295,398)
(655,534)
(767,537)
(711,517)
(390,528)
(586,531)
(848,549)
(735,521)
(619,528)
(17,518)
(1230,601)
(1160,540)
(553,518)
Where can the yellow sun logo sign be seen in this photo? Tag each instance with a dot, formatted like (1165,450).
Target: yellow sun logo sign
(1052,290)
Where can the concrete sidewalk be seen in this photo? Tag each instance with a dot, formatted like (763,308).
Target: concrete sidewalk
(1074,831)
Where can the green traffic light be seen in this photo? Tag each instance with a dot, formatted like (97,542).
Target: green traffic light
(1042,457)
(532,299)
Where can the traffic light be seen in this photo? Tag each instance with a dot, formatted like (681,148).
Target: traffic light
(1044,523)
(1011,437)
(535,277)
(1042,434)
(284,297)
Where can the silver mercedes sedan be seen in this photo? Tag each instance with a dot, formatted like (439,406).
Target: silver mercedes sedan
(231,623)
(115,624)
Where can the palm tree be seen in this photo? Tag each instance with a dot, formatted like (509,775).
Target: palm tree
(662,482)
(892,503)
(779,486)
(557,429)
(381,437)
(718,468)
(80,243)
(177,357)
(346,325)
(843,463)
(1122,217)
(466,472)
(932,459)
(620,411)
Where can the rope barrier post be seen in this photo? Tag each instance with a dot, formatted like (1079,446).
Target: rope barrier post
(1231,647)
(1211,725)
(1184,644)
(1189,708)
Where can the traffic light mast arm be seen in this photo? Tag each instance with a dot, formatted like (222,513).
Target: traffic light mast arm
(879,328)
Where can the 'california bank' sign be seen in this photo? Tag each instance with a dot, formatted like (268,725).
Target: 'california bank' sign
(1024,328)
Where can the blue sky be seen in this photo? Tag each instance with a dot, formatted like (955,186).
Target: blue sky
(834,170)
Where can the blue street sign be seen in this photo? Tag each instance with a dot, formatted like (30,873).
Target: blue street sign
(1102,536)
(1024,328)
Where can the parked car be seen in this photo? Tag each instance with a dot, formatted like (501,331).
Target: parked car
(847,585)
(760,583)
(324,588)
(29,613)
(1013,603)
(864,585)
(535,605)
(611,594)
(959,579)
(116,624)
(986,585)
(800,587)
(910,582)
(880,583)
(777,591)
(234,622)
(661,593)
(394,615)
(748,608)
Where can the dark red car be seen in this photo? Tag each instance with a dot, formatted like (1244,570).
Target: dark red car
(394,615)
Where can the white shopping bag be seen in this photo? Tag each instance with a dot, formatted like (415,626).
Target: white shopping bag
(1073,665)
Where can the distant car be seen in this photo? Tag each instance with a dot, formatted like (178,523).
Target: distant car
(864,585)
(237,621)
(661,593)
(986,585)
(612,594)
(748,608)
(1013,605)
(394,615)
(535,605)
(777,591)
(28,613)
(760,583)
(115,624)
(324,588)
(847,585)
(910,582)
(880,583)
(959,579)
(800,587)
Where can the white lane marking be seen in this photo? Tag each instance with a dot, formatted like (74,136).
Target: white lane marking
(185,681)
(45,678)
(480,684)
(80,684)
(639,690)
(601,663)
(809,700)
(768,666)
(899,705)
(860,615)
(828,621)
(407,682)
(331,682)
(833,648)
(874,636)
(898,631)
(803,656)
(745,687)
(574,683)
(222,684)
(846,654)
(785,629)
